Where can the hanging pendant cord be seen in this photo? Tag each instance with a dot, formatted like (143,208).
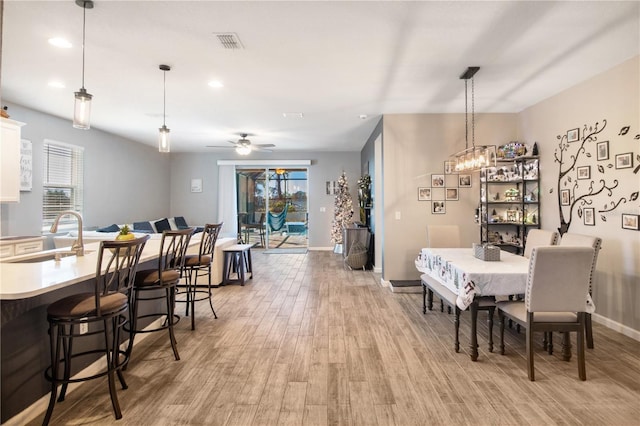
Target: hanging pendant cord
(473,115)
(466,118)
(84,23)
(164,98)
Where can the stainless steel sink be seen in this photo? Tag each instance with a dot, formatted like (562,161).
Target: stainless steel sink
(43,257)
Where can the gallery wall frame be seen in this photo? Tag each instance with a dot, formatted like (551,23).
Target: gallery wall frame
(565,197)
(573,135)
(26,165)
(624,161)
(584,172)
(424,194)
(589,216)
(630,221)
(602,150)
(464,181)
(196,185)
(438,207)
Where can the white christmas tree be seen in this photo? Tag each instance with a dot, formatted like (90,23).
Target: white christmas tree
(342,210)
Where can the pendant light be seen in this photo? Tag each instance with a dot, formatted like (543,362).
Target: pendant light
(474,157)
(82,108)
(164,141)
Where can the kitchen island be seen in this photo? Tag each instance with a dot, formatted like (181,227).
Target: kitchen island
(28,285)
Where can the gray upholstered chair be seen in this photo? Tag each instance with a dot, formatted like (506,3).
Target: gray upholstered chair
(537,238)
(570,239)
(555,299)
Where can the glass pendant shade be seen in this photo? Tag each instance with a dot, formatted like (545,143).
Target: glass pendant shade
(164,139)
(82,110)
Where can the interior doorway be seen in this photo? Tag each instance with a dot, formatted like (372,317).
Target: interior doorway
(273,207)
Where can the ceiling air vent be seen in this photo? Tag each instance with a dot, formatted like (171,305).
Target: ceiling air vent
(229,40)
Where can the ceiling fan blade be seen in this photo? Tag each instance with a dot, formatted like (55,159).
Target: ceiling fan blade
(263,145)
(219,146)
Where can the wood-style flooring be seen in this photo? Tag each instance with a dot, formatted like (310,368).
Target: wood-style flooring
(308,342)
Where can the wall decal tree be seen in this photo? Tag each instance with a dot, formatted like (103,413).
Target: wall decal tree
(583,191)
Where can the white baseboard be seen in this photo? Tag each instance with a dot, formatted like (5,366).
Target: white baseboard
(320,249)
(39,407)
(377,270)
(616,326)
(384,283)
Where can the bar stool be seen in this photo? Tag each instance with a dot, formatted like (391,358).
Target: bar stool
(199,265)
(102,312)
(160,284)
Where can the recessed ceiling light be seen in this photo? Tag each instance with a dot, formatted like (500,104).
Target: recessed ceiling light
(363,116)
(293,115)
(216,84)
(60,42)
(57,84)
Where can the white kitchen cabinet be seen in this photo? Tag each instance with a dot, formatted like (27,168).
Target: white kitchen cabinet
(15,246)
(10,161)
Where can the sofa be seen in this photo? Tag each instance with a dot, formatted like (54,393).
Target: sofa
(154,229)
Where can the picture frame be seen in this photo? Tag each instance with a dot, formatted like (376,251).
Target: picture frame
(437,181)
(589,216)
(438,207)
(424,194)
(573,135)
(565,197)
(602,150)
(584,172)
(624,161)
(464,181)
(196,185)
(449,167)
(451,194)
(26,165)
(631,221)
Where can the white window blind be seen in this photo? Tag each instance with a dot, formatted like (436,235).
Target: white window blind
(62,183)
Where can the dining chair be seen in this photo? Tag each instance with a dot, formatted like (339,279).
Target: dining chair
(537,238)
(160,283)
(570,239)
(258,226)
(199,265)
(555,299)
(103,314)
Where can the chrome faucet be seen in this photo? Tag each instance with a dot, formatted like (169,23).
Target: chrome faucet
(78,245)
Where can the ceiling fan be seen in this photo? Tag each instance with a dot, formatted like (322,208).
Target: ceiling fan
(243,146)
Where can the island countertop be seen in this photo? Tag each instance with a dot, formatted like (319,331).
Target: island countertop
(25,280)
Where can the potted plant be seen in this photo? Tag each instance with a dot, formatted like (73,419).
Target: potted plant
(125,234)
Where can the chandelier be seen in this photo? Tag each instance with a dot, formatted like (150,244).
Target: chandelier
(472,157)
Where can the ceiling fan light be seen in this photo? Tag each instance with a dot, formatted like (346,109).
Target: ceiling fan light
(243,149)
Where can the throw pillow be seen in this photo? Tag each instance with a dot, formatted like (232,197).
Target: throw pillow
(111,228)
(162,225)
(142,227)
(180,222)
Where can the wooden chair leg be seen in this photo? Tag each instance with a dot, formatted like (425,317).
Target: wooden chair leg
(589,330)
(530,368)
(456,324)
(582,371)
(501,326)
(490,323)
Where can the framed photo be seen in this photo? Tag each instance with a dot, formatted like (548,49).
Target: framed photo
(464,181)
(196,185)
(602,150)
(451,194)
(584,172)
(630,221)
(624,161)
(424,194)
(573,135)
(26,165)
(449,167)
(589,216)
(438,207)
(565,197)
(437,181)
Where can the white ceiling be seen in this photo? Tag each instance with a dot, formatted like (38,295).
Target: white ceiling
(332,61)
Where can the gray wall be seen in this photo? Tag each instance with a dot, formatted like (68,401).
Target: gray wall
(124,181)
(199,208)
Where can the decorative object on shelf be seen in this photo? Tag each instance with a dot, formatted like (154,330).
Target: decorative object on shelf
(82,107)
(630,221)
(364,197)
(3,112)
(512,150)
(534,151)
(472,157)
(164,141)
(512,194)
(343,210)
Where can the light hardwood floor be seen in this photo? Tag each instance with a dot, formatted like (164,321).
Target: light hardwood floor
(309,342)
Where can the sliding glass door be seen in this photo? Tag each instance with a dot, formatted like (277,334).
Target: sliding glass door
(273,207)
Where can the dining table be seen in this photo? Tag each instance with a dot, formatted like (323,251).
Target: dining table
(470,278)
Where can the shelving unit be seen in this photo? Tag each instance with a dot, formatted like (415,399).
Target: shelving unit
(509,202)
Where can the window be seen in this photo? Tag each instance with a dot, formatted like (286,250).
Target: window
(62,182)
